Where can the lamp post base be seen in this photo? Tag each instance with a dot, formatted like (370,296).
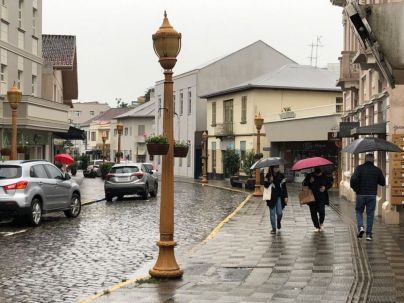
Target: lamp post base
(204,180)
(166,265)
(257,191)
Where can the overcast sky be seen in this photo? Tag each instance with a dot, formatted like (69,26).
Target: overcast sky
(114,44)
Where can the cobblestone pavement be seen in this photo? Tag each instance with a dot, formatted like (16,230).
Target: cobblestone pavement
(244,263)
(66,260)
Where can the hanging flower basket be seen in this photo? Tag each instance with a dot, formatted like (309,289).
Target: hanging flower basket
(5,152)
(180,151)
(155,149)
(21,149)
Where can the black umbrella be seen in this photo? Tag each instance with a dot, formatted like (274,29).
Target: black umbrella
(267,162)
(364,145)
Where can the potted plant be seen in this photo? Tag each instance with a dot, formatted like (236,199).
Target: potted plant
(181,148)
(231,162)
(105,168)
(157,145)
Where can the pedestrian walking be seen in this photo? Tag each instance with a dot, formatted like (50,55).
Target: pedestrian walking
(364,182)
(276,196)
(319,185)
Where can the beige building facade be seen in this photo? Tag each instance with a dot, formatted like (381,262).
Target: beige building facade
(373,100)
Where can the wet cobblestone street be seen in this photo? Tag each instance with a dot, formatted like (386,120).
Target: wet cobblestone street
(66,260)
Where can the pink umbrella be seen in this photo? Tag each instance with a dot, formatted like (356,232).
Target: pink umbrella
(310,162)
(64,158)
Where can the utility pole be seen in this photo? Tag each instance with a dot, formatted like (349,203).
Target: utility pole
(315,46)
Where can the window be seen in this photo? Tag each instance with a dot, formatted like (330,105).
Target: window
(3,73)
(242,151)
(181,103)
(53,172)
(38,171)
(107,134)
(213,157)
(213,113)
(20,10)
(4,31)
(93,136)
(339,105)
(141,130)
(21,38)
(244,109)
(20,83)
(126,131)
(34,15)
(35,46)
(174,104)
(115,132)
(159,108)
(34,85)
(189,102)
(77,113)
(91,113)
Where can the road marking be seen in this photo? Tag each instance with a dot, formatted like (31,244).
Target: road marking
(10,233)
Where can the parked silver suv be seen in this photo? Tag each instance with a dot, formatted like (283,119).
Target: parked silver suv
(30,188)
(130,179)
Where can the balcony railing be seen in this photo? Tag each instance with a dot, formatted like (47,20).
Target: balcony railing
(349,72)
(224,129)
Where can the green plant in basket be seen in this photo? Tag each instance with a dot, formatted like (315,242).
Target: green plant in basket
(182,143)
(153,139)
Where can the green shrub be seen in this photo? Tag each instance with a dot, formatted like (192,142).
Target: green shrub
(248,162)
(105,168)
(231,162)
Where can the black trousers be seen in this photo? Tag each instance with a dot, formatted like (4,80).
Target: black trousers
(317,211)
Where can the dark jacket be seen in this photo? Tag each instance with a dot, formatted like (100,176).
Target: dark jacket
(365,179)
(319,181)
(279,189)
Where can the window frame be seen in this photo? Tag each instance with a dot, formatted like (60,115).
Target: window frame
(243,110)
(214,107)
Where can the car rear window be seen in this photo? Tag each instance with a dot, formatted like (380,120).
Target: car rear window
(148,166)
(10,171)
(124,170)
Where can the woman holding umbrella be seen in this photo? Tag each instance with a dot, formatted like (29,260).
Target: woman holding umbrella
(276,196)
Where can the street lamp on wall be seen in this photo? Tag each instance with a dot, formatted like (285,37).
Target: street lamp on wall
(119,128)
(259,121)
(167,45)
(14,97)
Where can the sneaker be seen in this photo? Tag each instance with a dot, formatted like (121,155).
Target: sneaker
(321,227)
(316,230)
(361,232)
(369,238)
(279,225)
(273,232)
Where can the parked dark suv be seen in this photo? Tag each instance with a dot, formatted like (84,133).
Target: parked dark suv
(28,189)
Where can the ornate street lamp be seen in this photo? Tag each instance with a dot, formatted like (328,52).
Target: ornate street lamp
(104,138)
(167,45)
(259,121)
(119,128)
(14,98)
(205,157)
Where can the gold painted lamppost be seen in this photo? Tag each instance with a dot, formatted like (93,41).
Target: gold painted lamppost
(104,138)
(14,98)
(167,45)
(259,121)
(205,157)
(119,128)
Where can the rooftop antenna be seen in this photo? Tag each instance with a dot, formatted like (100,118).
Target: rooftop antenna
(315,46)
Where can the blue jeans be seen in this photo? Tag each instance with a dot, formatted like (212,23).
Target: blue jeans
(275,211)
(369,202)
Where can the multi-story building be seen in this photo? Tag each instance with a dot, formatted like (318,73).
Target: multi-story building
(372,97)
(98,126)
(84,111)
(47,86)
(190,109)
(137,124)
(300,106)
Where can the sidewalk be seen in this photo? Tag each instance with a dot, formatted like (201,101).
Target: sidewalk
(245,263)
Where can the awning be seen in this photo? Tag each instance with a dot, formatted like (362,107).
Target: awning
(72,134)
(374,129)
(346,127)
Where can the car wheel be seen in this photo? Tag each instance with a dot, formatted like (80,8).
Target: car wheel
(34,217)
(145,194)
(75,207)
(93,174)
(155,190)
(108,197)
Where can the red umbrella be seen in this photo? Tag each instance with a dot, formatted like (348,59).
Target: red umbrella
(310,162)
(64,158)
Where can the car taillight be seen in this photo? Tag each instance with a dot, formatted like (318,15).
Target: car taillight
(14,186)
(139,175)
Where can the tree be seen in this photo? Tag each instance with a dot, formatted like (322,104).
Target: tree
(248,162)
(120,103)
(148,93)
(231,161)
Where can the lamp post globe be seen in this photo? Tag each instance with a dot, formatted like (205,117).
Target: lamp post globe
(14,97)
(167,45)
(259,121)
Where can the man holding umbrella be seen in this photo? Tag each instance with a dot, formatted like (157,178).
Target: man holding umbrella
(364,182)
